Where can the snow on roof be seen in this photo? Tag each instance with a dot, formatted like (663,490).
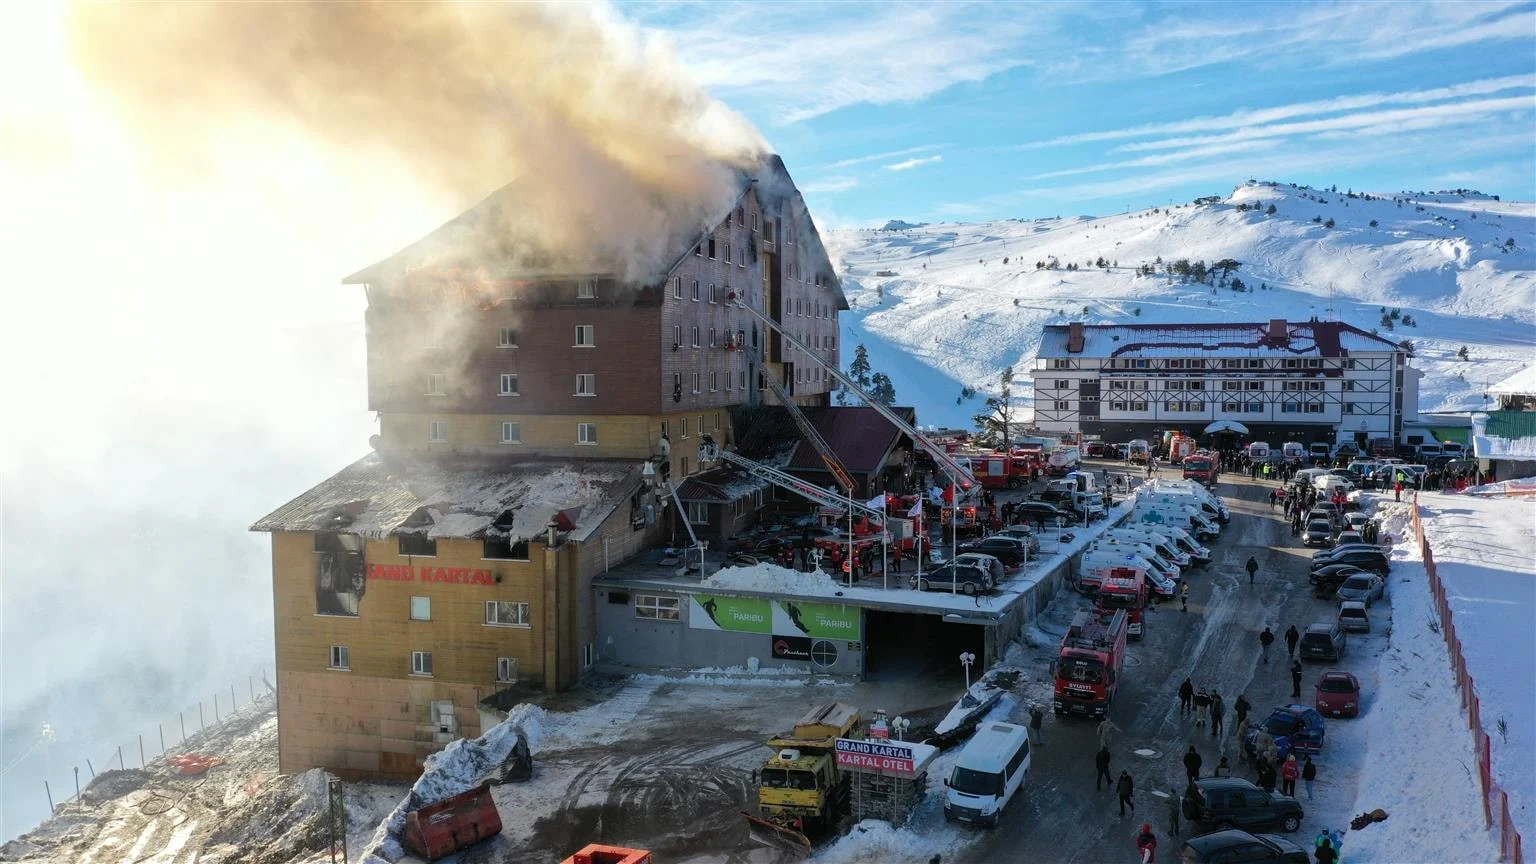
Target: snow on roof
(1522,383)
(1485,446)
(773,579)
(1307,338)
(725,483)
(457,496)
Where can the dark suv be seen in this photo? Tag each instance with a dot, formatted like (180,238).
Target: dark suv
(1230,846)
(1366,559)
(1011,551)
(954,577)
(1230,802)
(1323,641)
(1042,513)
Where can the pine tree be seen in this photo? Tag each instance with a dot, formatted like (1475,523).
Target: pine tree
(882,390)
(859,370)
(995,426)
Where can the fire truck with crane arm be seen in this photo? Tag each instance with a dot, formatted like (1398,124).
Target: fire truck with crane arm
(1088,666)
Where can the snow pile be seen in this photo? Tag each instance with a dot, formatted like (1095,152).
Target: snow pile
(772,579)
(457,768)
(747,680)
(1430,792)
(286,822)
(1486,446)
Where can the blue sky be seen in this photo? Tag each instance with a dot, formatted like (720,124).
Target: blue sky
(964,111)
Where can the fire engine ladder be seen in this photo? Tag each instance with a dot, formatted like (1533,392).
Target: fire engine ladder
(828,455)
(687,523)
(941,457)
(709,451)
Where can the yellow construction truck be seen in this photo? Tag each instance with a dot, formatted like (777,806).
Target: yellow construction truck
(800,788)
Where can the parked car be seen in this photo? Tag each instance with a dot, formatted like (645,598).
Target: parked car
(1338,695)
(1012,551)
(989,563)
(1231,802)
(1348,538)
(1098,449)
(1331,509)
(1374,559)
(954,576)
(1234,845)
(1041,513)
(1025,533)
(1319,533)
(1356,521)
(1353,617)
(1323,641)
(1294,727)
(1362,587)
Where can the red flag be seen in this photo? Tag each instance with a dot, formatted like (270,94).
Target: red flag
(949,494)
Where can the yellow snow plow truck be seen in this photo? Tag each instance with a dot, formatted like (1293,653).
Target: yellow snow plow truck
(799,787)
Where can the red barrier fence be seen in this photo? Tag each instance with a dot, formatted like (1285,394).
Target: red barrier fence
(1495,800)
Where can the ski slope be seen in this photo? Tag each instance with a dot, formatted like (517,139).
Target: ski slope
(939,309)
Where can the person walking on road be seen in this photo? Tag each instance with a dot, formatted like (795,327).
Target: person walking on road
(1308,775)
(1124,788)
(1241,708)
(1102,761)
(1192,763)
(1291,638)
(1222,769)
(1174,806)
(1183,596)
(1036,719)
(1271,499)
(1107,730)
(1146,844)
(1186,697)
(1325,853)
(1288,774)
(1202,707)
(1397,491)
(1253,568)
(1266,639)
(1295,679)
(1217,709)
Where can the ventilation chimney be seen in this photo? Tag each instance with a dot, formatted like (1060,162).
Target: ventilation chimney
(1075,337)
(1278,333)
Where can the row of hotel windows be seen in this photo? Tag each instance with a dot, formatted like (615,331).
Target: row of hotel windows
(511,433)
(1226,407)
(698,511)
(585,336)
(422,546)
(421,664)
(1245,363)
(1227,386)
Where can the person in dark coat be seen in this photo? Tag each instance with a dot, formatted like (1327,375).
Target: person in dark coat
(1175,805)
(1309,775)
(1036,720)
(1241,708)
(1146,843)
(1124,788)
(1102,762)
(1266,639)
(1218,707)
(1252,567)
(1325,853)
(1291,638)
(1186,697)
(1267,775)
(1202,707)
(1296,679)
(1192,763)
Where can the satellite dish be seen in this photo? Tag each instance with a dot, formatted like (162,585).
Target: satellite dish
(374,441)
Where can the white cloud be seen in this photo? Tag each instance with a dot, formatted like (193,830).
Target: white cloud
(875,157)
(909,164)
(829,185)
(1189,155)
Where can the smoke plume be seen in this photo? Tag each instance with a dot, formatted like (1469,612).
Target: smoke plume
(615,157)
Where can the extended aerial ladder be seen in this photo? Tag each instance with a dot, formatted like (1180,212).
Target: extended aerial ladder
(710,450)
(808,431)
(957,472)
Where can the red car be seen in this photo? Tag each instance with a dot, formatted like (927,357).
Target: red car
(1338,695)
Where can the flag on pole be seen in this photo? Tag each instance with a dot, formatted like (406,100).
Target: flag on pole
(949,494)
(917,509)
(876,503)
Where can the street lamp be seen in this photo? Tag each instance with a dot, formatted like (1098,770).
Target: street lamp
(966,659)
(900,726)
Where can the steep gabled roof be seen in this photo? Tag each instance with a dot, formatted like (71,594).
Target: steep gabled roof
(859,436)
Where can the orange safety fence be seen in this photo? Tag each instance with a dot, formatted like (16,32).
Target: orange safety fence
(1495,799)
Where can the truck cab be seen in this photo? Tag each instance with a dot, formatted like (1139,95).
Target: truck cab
(800,784)
(1125,589)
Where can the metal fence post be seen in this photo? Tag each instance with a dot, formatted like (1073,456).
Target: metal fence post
(201,723)
(161,727)
(77,782)
(216,719)
(120,765)
(232,701)
(183,718)
(92,767)
(142,763)
(48,789)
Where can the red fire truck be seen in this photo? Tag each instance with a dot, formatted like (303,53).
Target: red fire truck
(1202,468)
(1088,667)
(1124,588)
(999,470)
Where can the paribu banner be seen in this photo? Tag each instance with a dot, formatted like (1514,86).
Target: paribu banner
(816,620)
(736,614)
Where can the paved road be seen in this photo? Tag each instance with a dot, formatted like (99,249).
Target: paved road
(1061,817)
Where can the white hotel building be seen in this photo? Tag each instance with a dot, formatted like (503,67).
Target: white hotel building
(1305,382)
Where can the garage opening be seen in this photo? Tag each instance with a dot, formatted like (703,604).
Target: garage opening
(900,644)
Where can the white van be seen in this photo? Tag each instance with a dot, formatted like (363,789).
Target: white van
(1140,547)
(1163,543)
(1158,515)
(1293,451)
(990,771)
(1258,451)
(1099,563)
(1209,501)
(1183,498)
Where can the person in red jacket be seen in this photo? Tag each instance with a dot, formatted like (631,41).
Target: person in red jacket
(1146,843)
(1288,774)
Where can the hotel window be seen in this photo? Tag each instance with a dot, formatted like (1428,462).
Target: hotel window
(695,290)
(712,294)
(694,334)
(511,433)
(1063,406)
(677,287)
(1138,406)
(1255,385)
(1171,406)
(740,217)
(1197,364)
(685,427)
(1118,385)
(586,384)
(730,381)
(1347,386)
(421,608)
(341,657)
(586,289)
(714,381)
(586,336)
(504,613)
(657,608)
(1061,364)
(1139,364)
(742,379)
(1254,364)
(588,655)
(417,546)
(714,420)
(711,337)
(1063,384)
(1314,364)
(701,424)
(1194,385)
(1231,385)
(586,433)
(1194,406)
(1349,407)
(1290,408)
(506,670)
(677,386)
(1315,386)
(1293,364)
(695,382)
(1173,385)
(421,663)
(1232,407)
(435,384)
(698,512)
(709,245)
(699,250)
(754,220)
(726,253)
(683,464)
(1255,407)
(1175,364)
(677,335)
(1117,406)
(1314,407)
(508,384)
(503,549)
(437,432)
(506,337)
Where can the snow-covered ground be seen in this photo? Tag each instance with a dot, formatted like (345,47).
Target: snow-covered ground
(950,313)
(1485,552)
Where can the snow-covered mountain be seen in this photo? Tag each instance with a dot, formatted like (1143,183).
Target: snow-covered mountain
(943,307)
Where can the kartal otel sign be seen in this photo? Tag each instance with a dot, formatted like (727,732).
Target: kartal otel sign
(895,757)
(407,573)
